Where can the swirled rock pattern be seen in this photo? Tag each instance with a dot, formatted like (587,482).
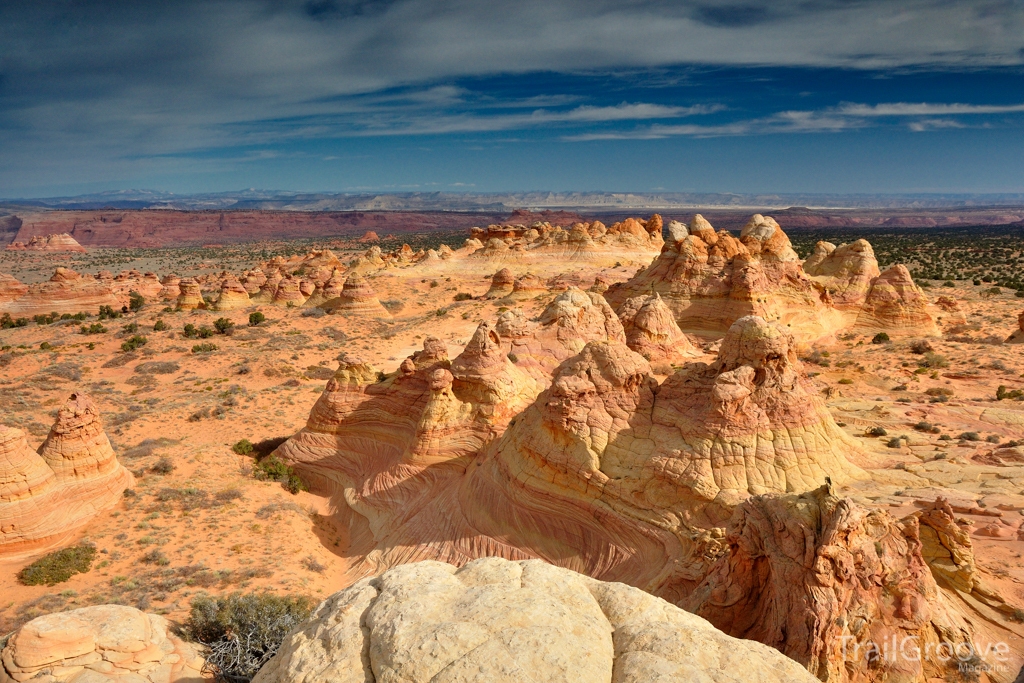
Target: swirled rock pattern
(652,332)
(232,296)
(101,644)
(846,271)
(190,297)
(65,292)
(48,495)
(896,306)
(357,298)
(59,242)
(500,621)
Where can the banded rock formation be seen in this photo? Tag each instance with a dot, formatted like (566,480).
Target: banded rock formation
(500,621)
(896,306)
(709,280)
(190,295)
(823,579)
(65,292)
(170,287)
(232,296)
(46,496)
(59,242)
(580,241)
(100,644)
(357,298)
(502,283)
(846,271)
(652,332)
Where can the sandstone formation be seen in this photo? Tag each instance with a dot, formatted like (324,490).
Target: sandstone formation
(170,288)
(499,621)
(232,296)
(709,280)
(11,289)
(501,284)
(821,579)
(369,236)
(191,296)
(101,644)
(48,495)
(288,292)
(652,332)
(357,298)
(65,292)
(1017,337)
(61,242)
(896,306)
(527,286)
(579,241)
(846,271)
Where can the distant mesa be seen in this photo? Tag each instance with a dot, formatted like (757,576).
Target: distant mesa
(369,236)
(46,496)
(60,242)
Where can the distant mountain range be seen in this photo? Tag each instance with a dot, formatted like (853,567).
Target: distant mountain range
(593,202)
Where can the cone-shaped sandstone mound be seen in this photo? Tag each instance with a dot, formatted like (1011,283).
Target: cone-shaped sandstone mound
(821,579)
(845,271)
(65,292)
(651,330)
(170,287)
(45,497)
(709,280)
(1017,337)
(501,284)
(100,644)
(11,288)
(896,306)
(289,291)
(357,298)
(331,288)
(509,622)
(62,242)
(190,297)
(232,296)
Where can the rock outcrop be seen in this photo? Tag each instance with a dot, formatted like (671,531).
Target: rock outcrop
(170,287)
(46,496)
(502,283)
(579,241)
(232,296)
(11,288)
(101,644)
(500,621)
(846,272)
(709,280)
(651,331)
(1017,337)
(190,295)
(59,242)
(65,292)
(829,583)
(357,298)
(896,306)
(288,292)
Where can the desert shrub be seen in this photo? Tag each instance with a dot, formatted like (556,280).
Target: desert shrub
(45,346)
(313,565)
(934,360)
(434,283)
(846,380)
(315,312)
(921,347)
(7,322)
(157,367)
(877,431)
(156,557)
(133,343)
(159,326)
(108,312)
(463,296)
(928,427)
(205,347)
(135,301)
(993,438)
(130,328)
(990,292)
(205,332)
(223,325)
(163,466)
(59,566)
(880,338)
(255,318)
(1002,392)
(95,328)
(393,305)
(895,442)
(976,283)
(949,283)
(819,358)
(272,468)
(243,447)
(242,632)
(970,436)
(939,391)
(441,312)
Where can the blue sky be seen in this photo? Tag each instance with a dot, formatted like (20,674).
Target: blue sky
(418,95)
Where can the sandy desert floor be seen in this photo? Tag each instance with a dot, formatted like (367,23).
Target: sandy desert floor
(208,525)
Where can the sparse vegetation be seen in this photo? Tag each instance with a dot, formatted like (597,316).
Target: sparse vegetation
(132,343)
(243,447)
(59,566)
(242,632)
(223,325)
(159,325)
(256,318)
(271,468)
(135,301)
(95,328)
(205,347)
(880,338)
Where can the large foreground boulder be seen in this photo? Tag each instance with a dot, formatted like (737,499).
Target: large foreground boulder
(499,621)
(101,644)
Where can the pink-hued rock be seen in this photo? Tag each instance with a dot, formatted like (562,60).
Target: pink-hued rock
(46,497)
(191,295)
(60,242)
(65,292)
(232,296)
(357,298)
(289,291)
(502,283)
(170,287)
(652,332)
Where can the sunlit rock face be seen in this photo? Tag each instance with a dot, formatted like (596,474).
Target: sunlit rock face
(46,496)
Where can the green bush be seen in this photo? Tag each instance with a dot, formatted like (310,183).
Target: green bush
(205,347)
(223,325)
(256,318)
(159,326)
(130,328)
(95,328)
(7,322)
(242,632)
(880,338)
(243,447)
(877,431)
(1002,392)
(463,296)
(273,468)
(135,301)
(59,566)
(189,331)
(205,333)
(107,312)
(133,343)
(934,360)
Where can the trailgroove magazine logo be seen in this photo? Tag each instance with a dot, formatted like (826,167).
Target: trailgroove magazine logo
(966,656)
